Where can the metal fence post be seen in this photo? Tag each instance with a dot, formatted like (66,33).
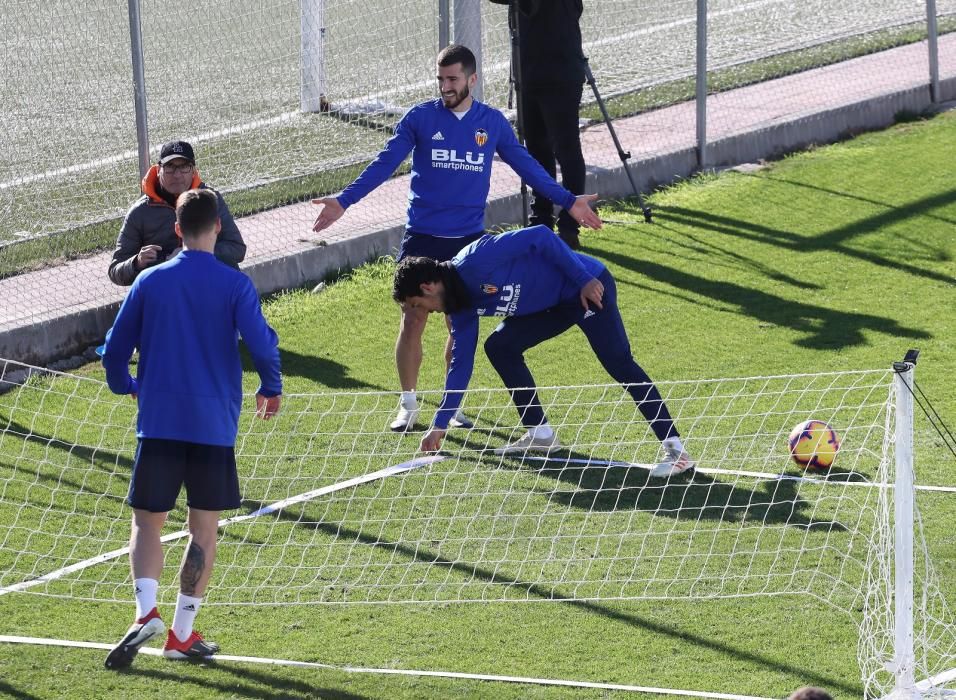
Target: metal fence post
(312,81)
(932,33)
(468,33)
(444,24)
(701,84)
(139,85)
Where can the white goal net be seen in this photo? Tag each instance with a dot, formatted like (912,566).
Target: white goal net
(337,509)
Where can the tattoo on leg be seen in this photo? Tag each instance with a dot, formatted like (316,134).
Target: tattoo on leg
(193,567)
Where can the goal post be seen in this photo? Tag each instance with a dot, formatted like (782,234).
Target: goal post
(313,82)
(903,499)
(313,88)
(337,510)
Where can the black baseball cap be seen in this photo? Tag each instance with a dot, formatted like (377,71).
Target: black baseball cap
(176,149)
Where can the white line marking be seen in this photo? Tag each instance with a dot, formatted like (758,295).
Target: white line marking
(134,155)
(404,672)
(680,23)
(937,681)
(266,510)
(738,472)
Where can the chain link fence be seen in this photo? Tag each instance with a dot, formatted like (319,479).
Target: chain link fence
(241,80)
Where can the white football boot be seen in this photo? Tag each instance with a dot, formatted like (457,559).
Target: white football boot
(461,421)
(529,443)
(405,418)
(676,461)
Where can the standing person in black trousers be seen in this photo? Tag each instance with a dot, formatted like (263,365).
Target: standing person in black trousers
(551,82)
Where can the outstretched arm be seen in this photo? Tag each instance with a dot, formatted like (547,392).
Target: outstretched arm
(331,212)
(377,172)
(582,212)
(530,170)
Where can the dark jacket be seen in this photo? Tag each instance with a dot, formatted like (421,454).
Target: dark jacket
(549,40)
(151,221)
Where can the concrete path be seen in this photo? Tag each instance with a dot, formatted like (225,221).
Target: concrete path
(58,311)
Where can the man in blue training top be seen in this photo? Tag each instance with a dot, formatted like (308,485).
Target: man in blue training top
(542,288)
(186,316)
(453,141)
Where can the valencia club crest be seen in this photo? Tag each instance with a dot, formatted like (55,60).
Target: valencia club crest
(481,137)
(489,289)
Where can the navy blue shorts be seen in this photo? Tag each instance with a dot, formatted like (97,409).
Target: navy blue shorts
(421,245)
(162,467)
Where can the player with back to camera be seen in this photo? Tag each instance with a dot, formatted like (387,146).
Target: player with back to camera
(541,288)
(453,141)
(186,316)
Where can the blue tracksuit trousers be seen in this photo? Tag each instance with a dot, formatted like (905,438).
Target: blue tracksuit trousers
(605,332)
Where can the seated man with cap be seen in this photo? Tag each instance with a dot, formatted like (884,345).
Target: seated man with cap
(148,236)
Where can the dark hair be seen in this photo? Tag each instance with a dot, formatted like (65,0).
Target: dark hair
(196,212)
(411,274)
(810,692)
(456,53)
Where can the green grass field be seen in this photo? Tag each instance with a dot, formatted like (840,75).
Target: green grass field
(836,259)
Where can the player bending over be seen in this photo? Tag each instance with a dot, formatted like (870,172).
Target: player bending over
(186,316)
(542,288)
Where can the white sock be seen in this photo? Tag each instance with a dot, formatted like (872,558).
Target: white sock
(542,432)
(409,399)
(186,609)
(145,591)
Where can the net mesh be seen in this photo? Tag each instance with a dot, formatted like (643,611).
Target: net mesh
(338,510)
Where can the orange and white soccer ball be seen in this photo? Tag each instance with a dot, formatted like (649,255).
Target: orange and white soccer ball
(815,444)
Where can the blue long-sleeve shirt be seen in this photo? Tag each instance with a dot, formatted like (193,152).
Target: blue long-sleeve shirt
(512,274)
(186,316)
(451,167)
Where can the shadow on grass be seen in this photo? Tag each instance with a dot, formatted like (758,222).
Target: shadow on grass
(693,497)
(834,240)
(110,464)
(713,253)
(771,177)
(277,686)
(603,487)
(8,690)
(324,371)
(472,572)
(825,328)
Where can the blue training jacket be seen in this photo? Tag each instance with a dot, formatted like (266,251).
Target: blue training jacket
(186,316)
(451,168)
(512,274)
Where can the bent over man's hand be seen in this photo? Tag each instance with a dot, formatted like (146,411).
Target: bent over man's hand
(592,292)
(432,440)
